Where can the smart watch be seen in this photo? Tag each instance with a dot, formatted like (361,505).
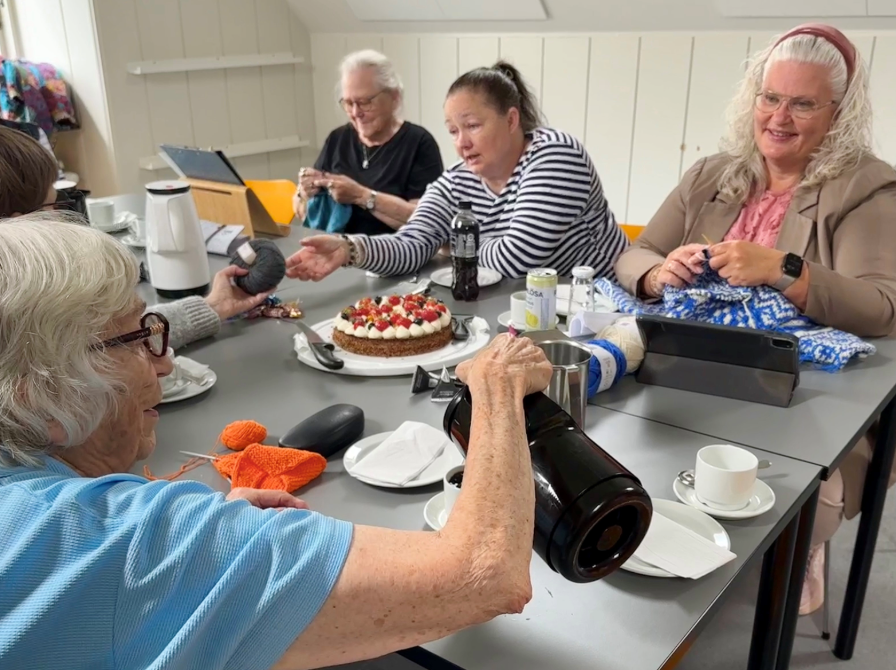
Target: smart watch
(792,267)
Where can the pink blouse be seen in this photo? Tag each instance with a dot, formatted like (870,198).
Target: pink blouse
(760,219)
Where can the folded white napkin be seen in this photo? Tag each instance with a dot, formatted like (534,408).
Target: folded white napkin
(590,322)
(193,371)
(679,550)
(402,456)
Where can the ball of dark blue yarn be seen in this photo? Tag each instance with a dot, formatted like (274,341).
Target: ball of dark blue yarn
(266,272)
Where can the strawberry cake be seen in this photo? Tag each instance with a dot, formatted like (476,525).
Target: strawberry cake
(393,326)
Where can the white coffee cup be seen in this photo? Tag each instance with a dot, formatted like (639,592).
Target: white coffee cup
(101,214)
(171,383)
(452,491)
(725,476)
(138,228)
(518,310)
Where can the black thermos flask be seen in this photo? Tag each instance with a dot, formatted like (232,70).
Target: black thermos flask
(590,512)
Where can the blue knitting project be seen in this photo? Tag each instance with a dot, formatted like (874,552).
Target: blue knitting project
(712,300)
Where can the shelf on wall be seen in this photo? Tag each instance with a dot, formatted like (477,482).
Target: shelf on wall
(218,63)
(237,150)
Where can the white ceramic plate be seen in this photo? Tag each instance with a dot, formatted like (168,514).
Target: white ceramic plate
(373,366)
(690,518)
(132,240)
(188,389)
(762,500)
(445,277)
(504,320)
(434,512)
(449,458)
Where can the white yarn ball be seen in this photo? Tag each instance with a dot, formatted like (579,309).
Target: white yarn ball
(624,334)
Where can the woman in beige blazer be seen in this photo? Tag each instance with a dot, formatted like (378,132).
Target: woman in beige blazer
(797,201)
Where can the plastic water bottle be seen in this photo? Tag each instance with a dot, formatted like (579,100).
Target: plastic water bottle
(581,293)
(465,254)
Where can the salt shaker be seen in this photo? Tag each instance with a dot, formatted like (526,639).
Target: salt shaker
(581,294)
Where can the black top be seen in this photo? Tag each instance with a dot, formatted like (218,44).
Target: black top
(404,166)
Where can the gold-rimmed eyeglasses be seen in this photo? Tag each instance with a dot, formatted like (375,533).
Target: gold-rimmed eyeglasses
(364,104)
(801,108)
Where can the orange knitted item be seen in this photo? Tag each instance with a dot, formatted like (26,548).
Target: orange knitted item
(240,434)
(275,468)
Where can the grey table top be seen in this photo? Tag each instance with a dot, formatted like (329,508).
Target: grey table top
(625,620)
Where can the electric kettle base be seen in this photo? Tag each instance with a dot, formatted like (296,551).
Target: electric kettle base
(183,292)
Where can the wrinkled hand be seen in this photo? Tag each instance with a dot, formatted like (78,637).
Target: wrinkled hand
(307,177)
(228,300)
(746,263)
(678,270)
(344,190)
(319,256)
(264,499)
(508,360)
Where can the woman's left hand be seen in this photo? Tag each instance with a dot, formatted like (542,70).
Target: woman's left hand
(265,499)
(746,263)
(344,190)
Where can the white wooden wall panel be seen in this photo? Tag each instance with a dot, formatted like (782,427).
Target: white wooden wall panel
(716,68)
(43,35)
(659,122)
(883,97)
(760,40)
(304,89)
(610,119)
(168,94)
(404,52)
(438,69)
(565,85)
(526,53)
(864,43)
(474,52)
(361,41)
(327,51)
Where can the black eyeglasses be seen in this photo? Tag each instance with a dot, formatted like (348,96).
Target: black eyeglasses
(364,104)
(154,330)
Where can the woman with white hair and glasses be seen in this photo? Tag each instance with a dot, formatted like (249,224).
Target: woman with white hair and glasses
(377,163)
(797,201)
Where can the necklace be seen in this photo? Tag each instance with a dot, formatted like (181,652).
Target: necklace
(368,157)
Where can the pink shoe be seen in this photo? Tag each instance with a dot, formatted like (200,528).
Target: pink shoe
(812,596)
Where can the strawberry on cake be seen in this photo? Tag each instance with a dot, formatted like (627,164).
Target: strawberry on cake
(393,326)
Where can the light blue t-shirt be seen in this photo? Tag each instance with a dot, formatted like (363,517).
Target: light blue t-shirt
(118,572)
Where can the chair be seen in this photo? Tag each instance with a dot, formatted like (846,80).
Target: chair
(631,231)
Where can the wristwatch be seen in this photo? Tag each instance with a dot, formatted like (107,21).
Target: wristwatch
(371,201)
(792,267)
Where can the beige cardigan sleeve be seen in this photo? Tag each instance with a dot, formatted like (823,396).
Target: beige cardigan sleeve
(663,234)
(859,294)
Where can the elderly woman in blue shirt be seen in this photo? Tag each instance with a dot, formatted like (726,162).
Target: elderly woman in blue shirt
(104,569)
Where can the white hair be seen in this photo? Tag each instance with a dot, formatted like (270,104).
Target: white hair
(386,76)
(61,285)
(847,140)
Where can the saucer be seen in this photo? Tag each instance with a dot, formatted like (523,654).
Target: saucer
(132,240)
(445,277)
(504,320)
(186,389)
(433,474)
(434,512)
(762,500)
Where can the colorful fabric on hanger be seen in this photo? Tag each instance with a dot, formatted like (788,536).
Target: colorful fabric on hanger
(35,93)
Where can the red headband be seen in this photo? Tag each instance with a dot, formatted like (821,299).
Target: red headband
(831,35)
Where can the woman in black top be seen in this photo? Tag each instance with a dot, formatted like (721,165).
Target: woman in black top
(377,163)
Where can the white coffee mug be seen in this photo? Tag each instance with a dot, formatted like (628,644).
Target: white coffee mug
(101,214)
(452,491)
(138,228)
(518,310)
(725,476)
(171,383)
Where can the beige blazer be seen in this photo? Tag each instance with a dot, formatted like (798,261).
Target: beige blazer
(845,230)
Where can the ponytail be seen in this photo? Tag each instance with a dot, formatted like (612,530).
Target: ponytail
(504,88)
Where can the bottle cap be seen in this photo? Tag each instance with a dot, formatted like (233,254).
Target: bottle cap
(465,204)
(583,272)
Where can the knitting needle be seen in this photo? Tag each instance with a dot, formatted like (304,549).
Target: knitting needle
(190,453)
(707,240)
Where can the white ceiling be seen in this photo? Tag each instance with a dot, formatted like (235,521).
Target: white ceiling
(336,16)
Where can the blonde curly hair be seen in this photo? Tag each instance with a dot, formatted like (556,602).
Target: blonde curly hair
(846,143)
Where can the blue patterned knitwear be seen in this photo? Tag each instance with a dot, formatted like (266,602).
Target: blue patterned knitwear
(711,299)
(118,573)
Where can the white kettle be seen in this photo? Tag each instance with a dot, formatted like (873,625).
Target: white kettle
(175,246)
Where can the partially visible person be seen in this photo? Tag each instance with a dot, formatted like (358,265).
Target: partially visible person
(378,163)
(798,202)
(27,175)
(104,569)
(534,190)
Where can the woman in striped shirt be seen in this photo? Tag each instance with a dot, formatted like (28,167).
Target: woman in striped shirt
(534,190)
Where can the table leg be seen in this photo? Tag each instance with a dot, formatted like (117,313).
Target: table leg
(797,574)
(875,494)
(772,599)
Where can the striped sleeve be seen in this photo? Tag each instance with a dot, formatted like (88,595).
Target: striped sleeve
(554,190)
(417,241)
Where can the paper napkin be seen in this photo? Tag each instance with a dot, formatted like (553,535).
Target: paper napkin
(402,456)
(679,550)
(192,370)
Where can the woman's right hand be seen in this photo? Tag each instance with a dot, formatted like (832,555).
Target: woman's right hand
(510,360)
(319,256)
(678,270)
